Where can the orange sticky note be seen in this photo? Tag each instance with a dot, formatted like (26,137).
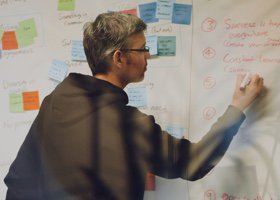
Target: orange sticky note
(31,100)
(9,40)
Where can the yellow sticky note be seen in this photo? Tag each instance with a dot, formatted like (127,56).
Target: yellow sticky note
(31,100)
(16,103)
(1,33)
(66,5)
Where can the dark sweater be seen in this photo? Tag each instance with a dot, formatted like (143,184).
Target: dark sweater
(87,143)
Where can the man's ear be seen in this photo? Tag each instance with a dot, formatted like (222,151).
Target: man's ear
(119,58)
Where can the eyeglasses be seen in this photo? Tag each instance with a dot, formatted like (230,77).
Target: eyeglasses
(145,49)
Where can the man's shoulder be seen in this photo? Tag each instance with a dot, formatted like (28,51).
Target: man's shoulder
(136,114)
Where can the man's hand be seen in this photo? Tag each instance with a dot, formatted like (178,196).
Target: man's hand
(242,98)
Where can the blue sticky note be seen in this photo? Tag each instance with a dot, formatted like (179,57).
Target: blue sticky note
(148,12)
(182,14)
(164,9)
(151,41)
(58,70)
(166,45)
(77,52)
(177,132)
(137,96)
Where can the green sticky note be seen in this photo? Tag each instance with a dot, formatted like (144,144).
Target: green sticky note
(16,103)
(166,45)
(28,27)
(66,5)
(26,32)
(1,33)
(24,40)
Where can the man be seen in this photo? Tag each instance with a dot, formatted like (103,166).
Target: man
(87,143)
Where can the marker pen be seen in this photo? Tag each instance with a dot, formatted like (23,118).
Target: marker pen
(245,81)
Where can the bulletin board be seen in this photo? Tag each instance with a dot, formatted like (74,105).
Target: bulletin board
(197,49)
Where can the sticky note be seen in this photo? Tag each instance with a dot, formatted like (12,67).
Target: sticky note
(9,40)
(152,43)
(177,132)
(26,32)
(28,27)
(16,103)
(1,50)
(148,12)
(130,11)
(166,45)
(137,96)
(58,70)
(1,33)
(182,14)
(24,40)
(77,52)
(150,182)
(66,5)
(164,9)
(31,100)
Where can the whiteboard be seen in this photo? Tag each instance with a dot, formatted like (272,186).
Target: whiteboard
(231,37)
(225,37)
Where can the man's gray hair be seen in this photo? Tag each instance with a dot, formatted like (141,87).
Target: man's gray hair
(109,32)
